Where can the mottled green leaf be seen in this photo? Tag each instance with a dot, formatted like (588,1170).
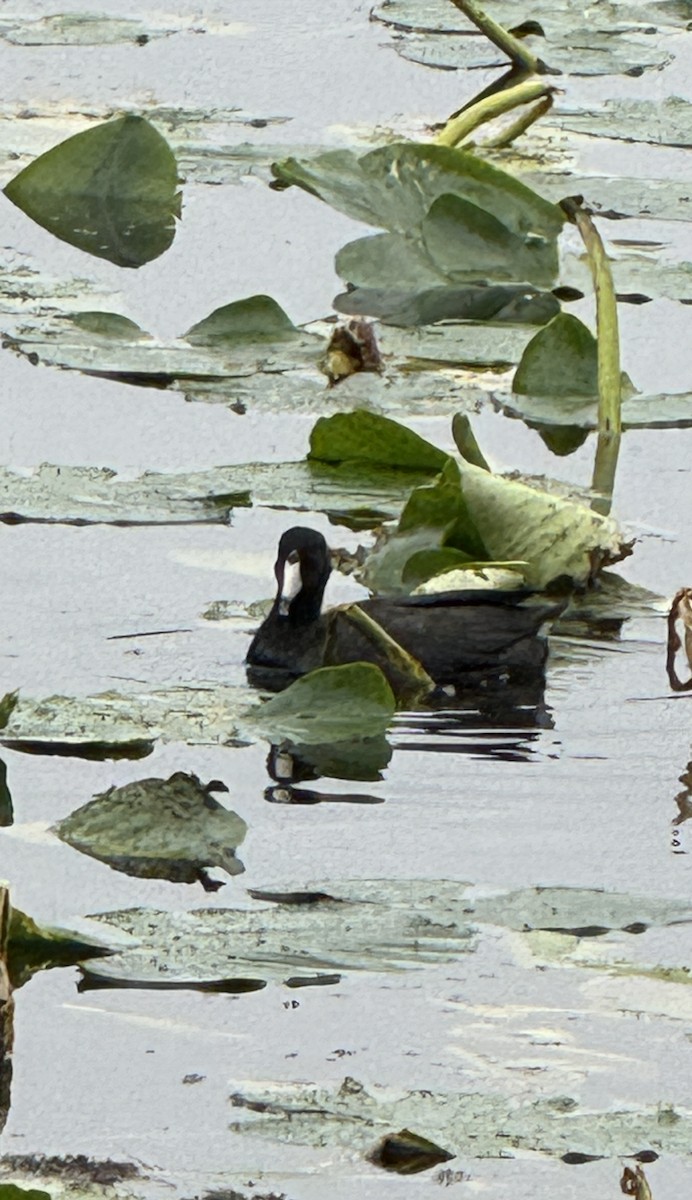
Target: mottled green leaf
(159,829)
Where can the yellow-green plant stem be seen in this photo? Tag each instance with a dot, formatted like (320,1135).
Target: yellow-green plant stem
(512,46)
(609,373)
(469,119)
(522,123)
(408,677)
(604,468)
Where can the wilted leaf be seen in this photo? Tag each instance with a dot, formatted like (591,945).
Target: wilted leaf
(330,704)
(556,537)
(159,828)
(111,191)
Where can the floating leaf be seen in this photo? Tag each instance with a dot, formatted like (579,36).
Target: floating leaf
(256,319)
(332,930)
(330,704)
(111,191)
(561,360)
(661,122)
(366,437)
(366,492)
(518,305)
(555,389)
(159,829)
(612,42)
(395,186)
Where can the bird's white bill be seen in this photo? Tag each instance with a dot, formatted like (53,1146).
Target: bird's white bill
(292,583)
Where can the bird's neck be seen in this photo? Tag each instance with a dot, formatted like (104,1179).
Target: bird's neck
(305,607)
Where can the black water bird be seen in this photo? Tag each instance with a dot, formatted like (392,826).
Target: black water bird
(468,641)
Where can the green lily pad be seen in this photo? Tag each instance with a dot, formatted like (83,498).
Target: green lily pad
(395,186)
(256,319)
(664,122)
(555,389)
(330,704)
(111,191)
(366,437)
(159,829)
(366,493)
(561,360)
(578,50)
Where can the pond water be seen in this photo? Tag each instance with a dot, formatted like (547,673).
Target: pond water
(513,1011)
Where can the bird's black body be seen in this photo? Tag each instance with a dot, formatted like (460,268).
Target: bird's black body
(469,639)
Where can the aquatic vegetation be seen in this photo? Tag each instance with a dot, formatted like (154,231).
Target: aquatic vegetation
(111,190)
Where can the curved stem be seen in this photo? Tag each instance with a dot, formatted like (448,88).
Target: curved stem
(496,105)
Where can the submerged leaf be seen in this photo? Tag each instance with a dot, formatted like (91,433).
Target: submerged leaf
(159,828)
(330,704)
(111,191)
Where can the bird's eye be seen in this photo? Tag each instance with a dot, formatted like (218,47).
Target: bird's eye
(293,557)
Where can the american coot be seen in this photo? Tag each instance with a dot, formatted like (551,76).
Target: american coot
(469,639)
